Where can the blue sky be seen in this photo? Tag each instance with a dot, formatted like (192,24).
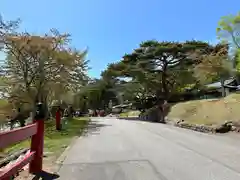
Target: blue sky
(111,28)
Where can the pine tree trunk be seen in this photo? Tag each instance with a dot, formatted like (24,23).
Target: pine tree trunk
(223,88)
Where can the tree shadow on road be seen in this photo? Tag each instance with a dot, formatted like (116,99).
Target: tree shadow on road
(138,119)
(94,127)
(152,115)
(130,118)
(45,176)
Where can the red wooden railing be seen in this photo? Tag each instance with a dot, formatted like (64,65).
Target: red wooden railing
(34,158)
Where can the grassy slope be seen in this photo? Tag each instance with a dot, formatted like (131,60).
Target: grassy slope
(208,112)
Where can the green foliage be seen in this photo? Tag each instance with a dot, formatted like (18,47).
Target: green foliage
(96,95)
(160,67)
(160,70)
(237,60)
(42,68)
(46,68)
(215,65)
(229,29)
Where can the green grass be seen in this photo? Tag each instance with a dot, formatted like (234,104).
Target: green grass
(124,114)
(55,141)
(3,102)
(129,113)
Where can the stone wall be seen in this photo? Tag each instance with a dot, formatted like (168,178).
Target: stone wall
(223,128)
(199,128)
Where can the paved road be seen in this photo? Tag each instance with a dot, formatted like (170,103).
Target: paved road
(134,150)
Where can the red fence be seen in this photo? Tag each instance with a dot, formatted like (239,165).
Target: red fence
(34,158)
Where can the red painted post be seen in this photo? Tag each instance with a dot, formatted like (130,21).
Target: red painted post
(8,178)
(58,120)
(37,143)
(37,147)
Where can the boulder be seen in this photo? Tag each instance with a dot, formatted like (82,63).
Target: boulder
(224,128)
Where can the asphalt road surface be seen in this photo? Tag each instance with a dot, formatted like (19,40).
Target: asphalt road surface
(134,150)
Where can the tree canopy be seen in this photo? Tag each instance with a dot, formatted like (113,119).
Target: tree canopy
(47,68)
(40,68)
(164,68)
(228,29)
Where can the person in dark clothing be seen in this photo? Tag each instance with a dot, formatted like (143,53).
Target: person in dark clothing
(20,117)
(66,112)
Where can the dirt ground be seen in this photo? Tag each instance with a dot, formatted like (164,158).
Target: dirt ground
(209,112)
(49,166)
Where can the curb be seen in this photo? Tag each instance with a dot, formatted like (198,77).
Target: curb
(223,128)
(60,160)
(64,154)
(198,128)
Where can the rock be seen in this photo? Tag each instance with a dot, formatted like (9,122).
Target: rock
(2,155)
(195,127)
(234,128)
(64,146)
(224,128)
(46,154)
(228,123)
(180,121)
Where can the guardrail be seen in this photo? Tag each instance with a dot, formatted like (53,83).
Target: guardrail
(34,158)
